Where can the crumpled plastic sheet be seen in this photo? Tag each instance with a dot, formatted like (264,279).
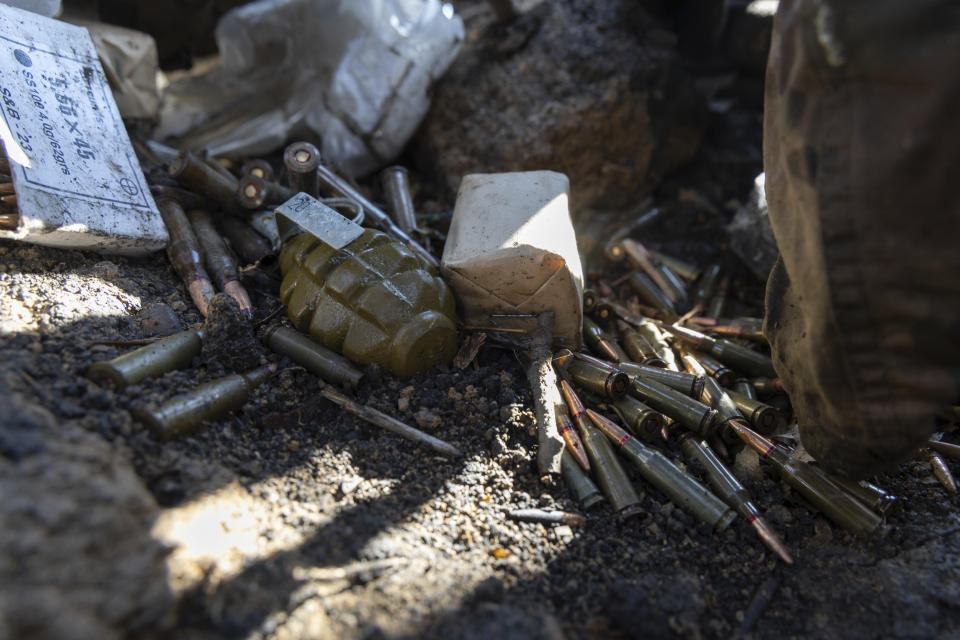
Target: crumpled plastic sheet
(351,76)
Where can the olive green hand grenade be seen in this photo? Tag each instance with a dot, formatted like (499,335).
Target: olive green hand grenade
(361,293)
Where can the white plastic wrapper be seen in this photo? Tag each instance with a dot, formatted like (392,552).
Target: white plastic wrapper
(350,76)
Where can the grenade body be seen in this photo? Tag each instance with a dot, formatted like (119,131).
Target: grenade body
(374,300)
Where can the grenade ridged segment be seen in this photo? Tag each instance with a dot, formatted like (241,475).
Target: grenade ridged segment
(373,301)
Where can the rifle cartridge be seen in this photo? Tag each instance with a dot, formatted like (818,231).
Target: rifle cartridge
(184,413)
(744,387)
(743,327)
(716,369)
(941,471)
(690,413)
(314,357)
(764,418)
(597,340)
(173,352)
(945,448)
(301,160)
(767,386)
(673,482)
(197,175)
(220,264)
(705,285)
(654,336)
(581,486)
(185,255)
(245,241)
(653,295)
(257,167)
(644,422)
(544,516)
(739,358)
(610,475)
(726,485)
(685,270)
(638,348)
(572,441)
(868,493)
(665,279)
(686,383)
(812,484)
(608,309)
(719,299)
(256,193)
(608,383)
(589,300)
(396,188)
(613,249)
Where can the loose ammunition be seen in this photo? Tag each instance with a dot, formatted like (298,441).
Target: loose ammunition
(216,166)
(583,488)
(868,493)
(607,309)
(744,387)
(719,300)
(396,188)
(572,441)
(690,413)
(184,413)
(644,422)
(673,482)
(767,386)
(740,358)
(10,200)
(256,193)
(764,418)
(638,348)
(7,189)
(9,221)
(597,340)
(665,279)
(683,269)
(199,176)
(331,181)
(220,264)
(747,328)
(313,357)
(245,241)
(257,167)
(716,369)
(812,484)
(941,471)
(173,352)
(705,285)
(606,382)
(686,383)
(653,335)
(726,485)
(614,251)
(184,253)
(945,448)
(547,517)
(610,475)
(589,300)
(301,160)
(652,295)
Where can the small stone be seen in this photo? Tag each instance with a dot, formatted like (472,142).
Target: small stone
(564,533)
(159,319)
(427,419)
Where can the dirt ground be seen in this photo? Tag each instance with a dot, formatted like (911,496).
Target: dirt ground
(291,519)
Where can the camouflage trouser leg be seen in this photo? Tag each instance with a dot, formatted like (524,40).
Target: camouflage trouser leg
(862,158)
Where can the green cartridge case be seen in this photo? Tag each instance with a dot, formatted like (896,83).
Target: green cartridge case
(690,413)
(608,383)
(739,358)
(813,485)
(607,309)
(744,387)
(590,299)
(611,477)
(764,418)
(597,340)
(396,188)
(644,422)
(716,369)
(724,483)
(315,358)
(197,175)
(867,493)
(651,294)
(673,482)
(245,241)
(301,160)
(182,414)
(686,383)
(767,386)
(256,193)
(743,327)
(638,348)
(705,285)
(665,280)
(257,167)
(718,301)
(173,352)
(685,270)
(654,336)
(613,249)
(578,481)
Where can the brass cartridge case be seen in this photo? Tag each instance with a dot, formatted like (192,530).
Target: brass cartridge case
(644,422)
(313,357)
(184,413)
(173,352)
(586,493)
(674,483)
(301,160)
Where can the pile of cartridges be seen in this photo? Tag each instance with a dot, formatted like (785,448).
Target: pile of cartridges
(694,379)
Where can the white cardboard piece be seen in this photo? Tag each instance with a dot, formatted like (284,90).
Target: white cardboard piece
(512,249)
(77,179)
